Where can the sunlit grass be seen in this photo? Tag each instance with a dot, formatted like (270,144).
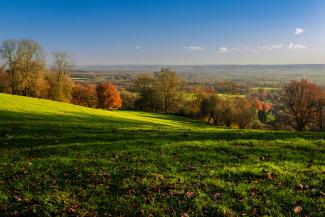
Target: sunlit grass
(61,159)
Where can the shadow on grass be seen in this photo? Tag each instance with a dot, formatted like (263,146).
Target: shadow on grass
(113,164)
(26,129)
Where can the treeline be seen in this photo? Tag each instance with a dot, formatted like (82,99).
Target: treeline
(24,72)
(166,92)
(298,105)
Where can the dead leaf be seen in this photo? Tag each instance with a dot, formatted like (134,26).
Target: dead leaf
(134,205)
(254,191)
(297,209)
(18,197)
(185,215)
(131,192)
(269,176)
(189,194)
(256,212)
(216,196)
(71,210)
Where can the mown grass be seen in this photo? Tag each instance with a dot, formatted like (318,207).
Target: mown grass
(58,159)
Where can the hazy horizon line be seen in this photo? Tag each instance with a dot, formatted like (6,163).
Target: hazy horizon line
(287,64)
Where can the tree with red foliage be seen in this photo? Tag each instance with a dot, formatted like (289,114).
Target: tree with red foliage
(108,96)
(262,108)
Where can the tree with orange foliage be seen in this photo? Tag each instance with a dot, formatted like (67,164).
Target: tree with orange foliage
(262,108)
(108,96)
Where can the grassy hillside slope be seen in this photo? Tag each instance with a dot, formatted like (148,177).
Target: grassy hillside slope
(66,160)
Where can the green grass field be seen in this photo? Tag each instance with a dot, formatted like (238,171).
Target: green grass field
(59,159)
(266,89)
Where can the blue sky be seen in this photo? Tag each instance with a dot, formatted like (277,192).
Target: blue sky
(172,31)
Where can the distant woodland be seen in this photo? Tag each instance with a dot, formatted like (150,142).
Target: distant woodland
(235,102)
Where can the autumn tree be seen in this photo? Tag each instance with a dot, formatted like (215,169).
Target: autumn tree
(31,66)
(298,100)
(84,94)
(25,64)
(108,96)
(262,108)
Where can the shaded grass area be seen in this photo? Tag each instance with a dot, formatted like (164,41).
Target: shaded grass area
(60,159)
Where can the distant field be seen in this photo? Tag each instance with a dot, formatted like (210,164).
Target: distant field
(265,88)
(58,159)
(224,95)
(210,74)
(190,96)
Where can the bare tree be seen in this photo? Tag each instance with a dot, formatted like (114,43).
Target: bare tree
(4,81)
(62,64)
(320,110)
(8,53)
(298,101)
(60,81)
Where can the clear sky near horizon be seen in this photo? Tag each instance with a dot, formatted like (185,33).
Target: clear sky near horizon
(100,32)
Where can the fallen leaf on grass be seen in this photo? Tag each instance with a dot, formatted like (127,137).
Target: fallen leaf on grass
(269,175)
(256,212)
(71,210)
(297,209)
(131,192)
(216,196)
(190,194)
(254,191)
(265,158)
(134,205)
(18,197)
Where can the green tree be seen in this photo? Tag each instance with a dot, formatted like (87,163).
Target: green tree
(148,95)
(169,87)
